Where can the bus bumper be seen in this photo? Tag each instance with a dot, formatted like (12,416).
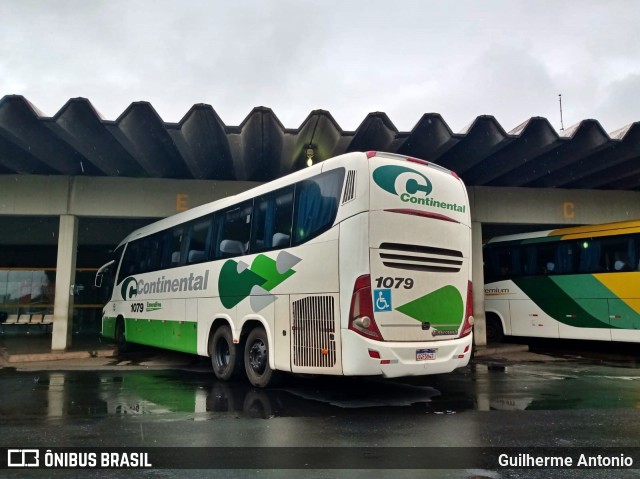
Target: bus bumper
(397,359)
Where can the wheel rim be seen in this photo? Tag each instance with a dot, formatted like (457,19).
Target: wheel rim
(258,356)
(222,354)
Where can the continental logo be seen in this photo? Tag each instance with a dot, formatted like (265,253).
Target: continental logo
(497,291)
(411,186)
(444,332)
(132,287)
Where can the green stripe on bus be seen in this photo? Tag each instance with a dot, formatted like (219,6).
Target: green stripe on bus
(587,290)
(581,301)
(175,335)
(109,328)
(556,301)
(625,316)
(582,286)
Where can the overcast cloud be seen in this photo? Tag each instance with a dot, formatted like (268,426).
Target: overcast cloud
(463,58)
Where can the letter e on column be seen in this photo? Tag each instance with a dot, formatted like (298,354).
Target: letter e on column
(182,200)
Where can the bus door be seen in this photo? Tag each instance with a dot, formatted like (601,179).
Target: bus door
(624,305)
(624,315)
(528,319)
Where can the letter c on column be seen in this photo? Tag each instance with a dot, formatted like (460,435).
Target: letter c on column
(569,210)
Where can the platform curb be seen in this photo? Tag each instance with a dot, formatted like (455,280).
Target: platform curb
(57,355)
(501,349)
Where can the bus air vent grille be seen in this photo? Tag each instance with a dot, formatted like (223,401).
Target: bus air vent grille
(420,258)
(349,187)
(314,332)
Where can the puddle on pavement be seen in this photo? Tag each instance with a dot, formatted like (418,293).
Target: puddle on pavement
(521,386)
(567,385)
(100,393)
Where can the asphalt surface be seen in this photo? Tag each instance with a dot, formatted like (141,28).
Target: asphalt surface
(568,401)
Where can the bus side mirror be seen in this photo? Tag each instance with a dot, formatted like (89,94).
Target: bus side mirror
(98,281)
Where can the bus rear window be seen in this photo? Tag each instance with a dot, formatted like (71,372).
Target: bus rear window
(316,204)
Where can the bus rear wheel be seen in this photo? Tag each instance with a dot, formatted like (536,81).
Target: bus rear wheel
(256,360)
(225,359)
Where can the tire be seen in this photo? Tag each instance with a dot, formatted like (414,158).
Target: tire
(495,334)
(256,360)
(225,358)
(121,339)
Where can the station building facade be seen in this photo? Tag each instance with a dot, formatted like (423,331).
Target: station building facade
(73,185)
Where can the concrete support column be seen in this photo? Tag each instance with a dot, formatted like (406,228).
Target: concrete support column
(65,279)
(477,276)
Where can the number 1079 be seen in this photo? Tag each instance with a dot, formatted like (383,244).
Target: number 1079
(389,282)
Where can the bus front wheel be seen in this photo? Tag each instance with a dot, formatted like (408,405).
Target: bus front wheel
(225,357)
(495,334)
(121,339)
(256,360)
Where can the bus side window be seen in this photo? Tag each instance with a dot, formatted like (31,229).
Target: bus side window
(547,259)
(108,282)
(531,256)
(316,204)
(492,264)
(502,262)
(590,252)
(617,252)
(130,261)
(564,262)
(156,252)
(234,231)
(272,220)
(171,245)
(200,234)
(263,215)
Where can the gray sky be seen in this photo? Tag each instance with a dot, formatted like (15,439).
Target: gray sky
(461,58)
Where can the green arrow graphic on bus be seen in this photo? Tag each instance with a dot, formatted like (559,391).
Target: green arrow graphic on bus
(442,307)
(238,279)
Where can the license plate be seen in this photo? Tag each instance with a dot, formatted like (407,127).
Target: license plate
(425,354)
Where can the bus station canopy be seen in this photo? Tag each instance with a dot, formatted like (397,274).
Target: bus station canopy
(77,141)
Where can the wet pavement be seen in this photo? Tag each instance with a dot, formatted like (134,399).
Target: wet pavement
(140,387)
(159,399)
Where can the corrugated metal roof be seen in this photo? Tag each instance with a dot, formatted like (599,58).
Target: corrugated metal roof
(77,141)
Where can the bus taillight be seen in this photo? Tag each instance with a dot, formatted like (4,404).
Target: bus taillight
(467,325)
(418,160)
(361,318)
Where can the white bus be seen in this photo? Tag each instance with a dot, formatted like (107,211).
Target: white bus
(359,265)
(579,282)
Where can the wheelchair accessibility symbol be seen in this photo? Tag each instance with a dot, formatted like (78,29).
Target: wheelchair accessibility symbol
(382,300)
